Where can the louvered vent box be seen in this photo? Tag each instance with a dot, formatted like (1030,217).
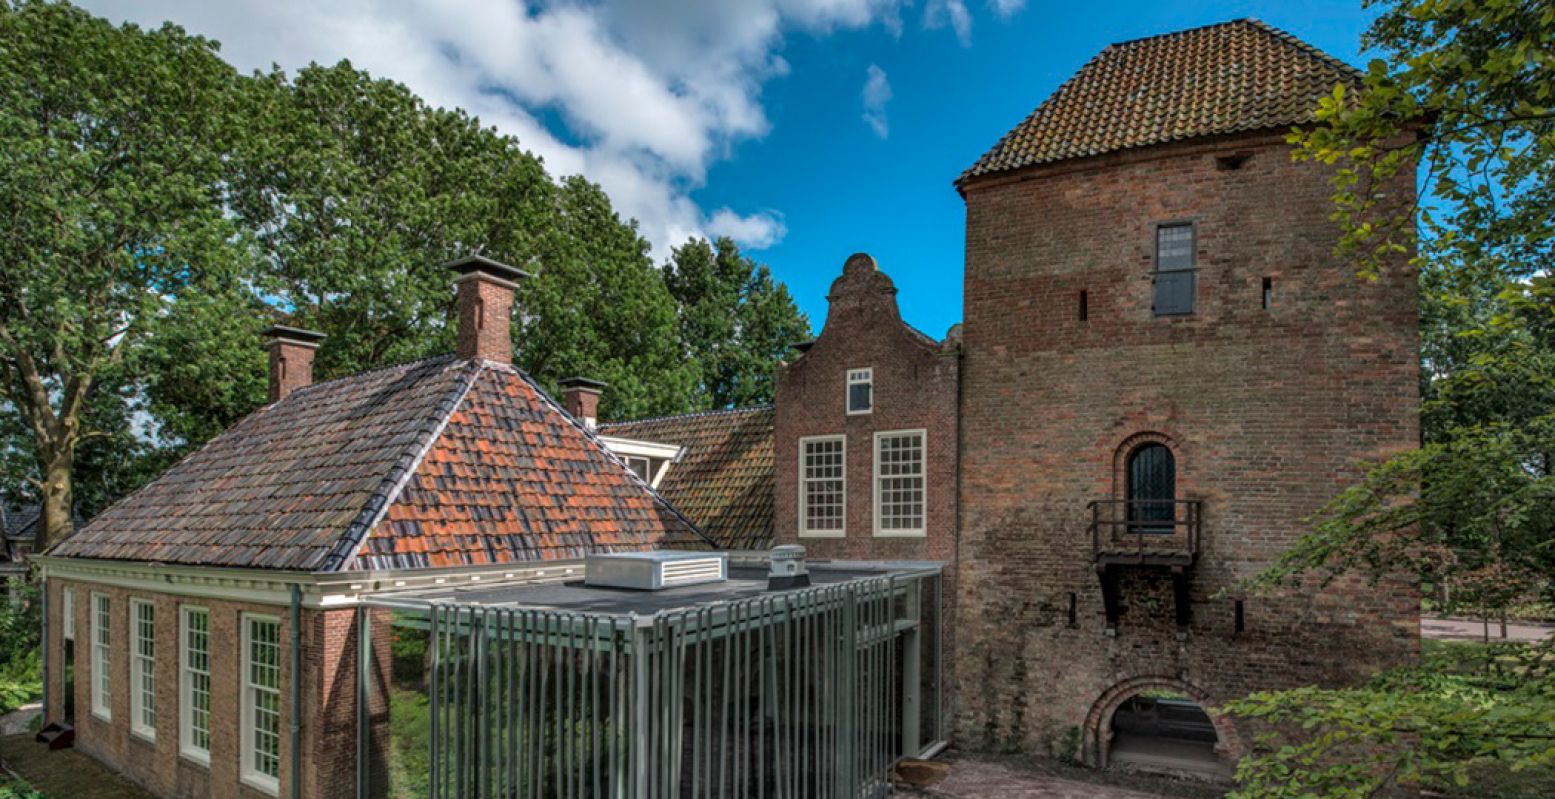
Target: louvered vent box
(654,571)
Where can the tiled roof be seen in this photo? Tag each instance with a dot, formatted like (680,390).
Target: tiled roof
(16,521)
(723,481)
(301,483)
(1235,76)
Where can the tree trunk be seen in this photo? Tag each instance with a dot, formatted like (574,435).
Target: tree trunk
(57,520)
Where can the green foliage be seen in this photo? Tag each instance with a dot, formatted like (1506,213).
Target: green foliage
(162,208)
(112,150)
(21,664)
(1464,93)
(19,789)
(736,322)
(1465,711)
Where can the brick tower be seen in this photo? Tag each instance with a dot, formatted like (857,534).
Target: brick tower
(1165,371)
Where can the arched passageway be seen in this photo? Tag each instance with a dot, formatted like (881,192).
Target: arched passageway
(1159,724)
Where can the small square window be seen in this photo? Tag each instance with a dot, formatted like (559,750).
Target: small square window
(640,466)
(861,390)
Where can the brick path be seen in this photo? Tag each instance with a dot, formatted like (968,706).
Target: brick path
(65,774)
(1008,778)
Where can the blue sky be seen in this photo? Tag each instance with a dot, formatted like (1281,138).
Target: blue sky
(805,129)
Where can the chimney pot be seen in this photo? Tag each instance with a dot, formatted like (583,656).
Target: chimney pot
(291,358)
(485,306)
(580,396)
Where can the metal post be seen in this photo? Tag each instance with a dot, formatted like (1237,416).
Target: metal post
(364,654)
(912,685)
(296,677)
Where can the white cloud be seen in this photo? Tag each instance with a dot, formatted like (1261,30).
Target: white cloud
(649,95)
(940,13)
(877,92)
(1005,9)
(757,231)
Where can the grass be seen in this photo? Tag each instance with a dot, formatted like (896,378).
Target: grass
(410,766)
(20,683)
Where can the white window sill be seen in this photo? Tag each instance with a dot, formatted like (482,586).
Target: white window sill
(195,757)
(901,534)
(102,715)
(823,534)
(149,736)
(263,783)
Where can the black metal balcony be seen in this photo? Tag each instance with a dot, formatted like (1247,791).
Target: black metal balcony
(1129,533)
(1145,532)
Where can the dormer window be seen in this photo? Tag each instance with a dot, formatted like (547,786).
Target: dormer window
(861,391)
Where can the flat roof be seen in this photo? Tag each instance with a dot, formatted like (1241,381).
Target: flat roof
(572,595)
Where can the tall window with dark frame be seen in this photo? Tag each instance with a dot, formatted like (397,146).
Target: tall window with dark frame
(1152,490)
(1174,269)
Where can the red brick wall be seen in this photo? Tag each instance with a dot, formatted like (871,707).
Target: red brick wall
(329,698)
(1267,410)
(914,388)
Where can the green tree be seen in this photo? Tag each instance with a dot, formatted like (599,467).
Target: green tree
(1464,90)
(111,172)
(358,192)
(736,322)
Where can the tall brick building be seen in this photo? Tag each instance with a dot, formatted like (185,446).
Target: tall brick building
(1165,371)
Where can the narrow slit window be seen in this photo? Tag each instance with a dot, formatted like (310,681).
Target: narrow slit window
(1085,305)
(1268,293)
(1175,269)
(1074,609)
(1241,618)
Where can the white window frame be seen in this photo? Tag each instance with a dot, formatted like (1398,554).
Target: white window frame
(143,672)
(102,656)
(864,375)
(68,610)
(269,783)
(923,438)
(804,509)
(187,673)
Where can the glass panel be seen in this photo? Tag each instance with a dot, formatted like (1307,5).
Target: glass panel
(1174,247)
(900,488)
(824,485)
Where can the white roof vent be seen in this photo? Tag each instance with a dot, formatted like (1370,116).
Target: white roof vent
(655,571)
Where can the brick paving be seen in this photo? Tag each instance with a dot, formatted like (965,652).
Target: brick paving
(1024,778)
(65,774)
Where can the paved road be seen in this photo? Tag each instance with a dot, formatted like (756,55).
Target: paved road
(1466,630)
(995,777)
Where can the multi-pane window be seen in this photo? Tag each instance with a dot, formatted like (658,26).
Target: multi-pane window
(1174,269)
(143,669)
(262,701)
(822,486)
(861,390)
(102,704)
(194,723)
(899,483)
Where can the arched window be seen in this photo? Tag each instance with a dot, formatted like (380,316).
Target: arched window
(1152,489)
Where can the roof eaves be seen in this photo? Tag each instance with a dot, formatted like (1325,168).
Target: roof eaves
(676,417)
(351,541)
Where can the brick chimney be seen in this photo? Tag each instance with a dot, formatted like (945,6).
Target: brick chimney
(291,358)
(580,396)
(485,305)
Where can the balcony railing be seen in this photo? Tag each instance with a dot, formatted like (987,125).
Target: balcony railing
(1145,530)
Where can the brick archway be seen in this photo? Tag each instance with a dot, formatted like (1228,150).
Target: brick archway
(1096,737)
(1126,448)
